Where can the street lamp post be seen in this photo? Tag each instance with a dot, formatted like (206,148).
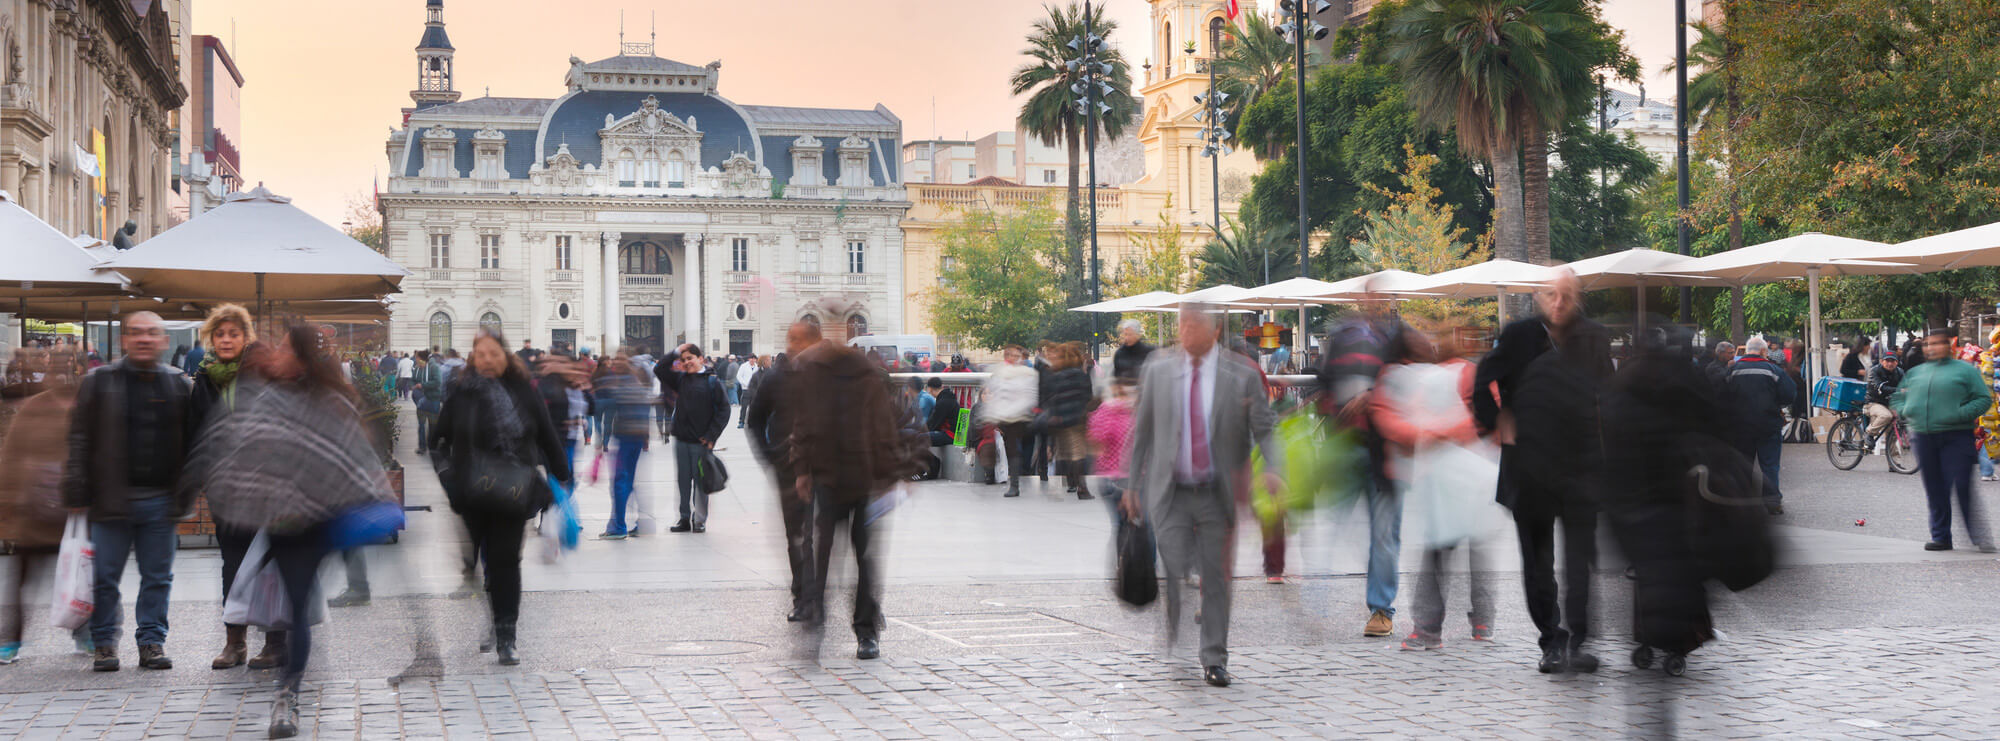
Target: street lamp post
(1296,29)
(1090,87)
(1681,146)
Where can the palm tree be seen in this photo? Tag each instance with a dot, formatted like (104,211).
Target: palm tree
(1250,64)
(1050,113)
(1707,88)
(1579,44)
(1246,252)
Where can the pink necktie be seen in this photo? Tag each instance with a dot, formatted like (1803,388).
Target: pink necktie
(1197,426)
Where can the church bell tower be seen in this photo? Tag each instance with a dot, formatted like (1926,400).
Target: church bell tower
(434,85)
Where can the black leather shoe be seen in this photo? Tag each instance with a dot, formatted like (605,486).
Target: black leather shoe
(1215,676)
(1581,662)
(680,527)
(871,648)
(1937,546)
(1552,662)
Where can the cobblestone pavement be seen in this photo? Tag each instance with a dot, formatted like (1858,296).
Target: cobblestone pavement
(1854,683)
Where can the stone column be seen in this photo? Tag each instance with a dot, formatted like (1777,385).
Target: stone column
(614,323)
(693,272)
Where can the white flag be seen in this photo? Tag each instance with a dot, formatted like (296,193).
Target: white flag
(86,162)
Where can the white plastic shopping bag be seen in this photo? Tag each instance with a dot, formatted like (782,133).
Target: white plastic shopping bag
(73,601)
(258,597)
(548,536)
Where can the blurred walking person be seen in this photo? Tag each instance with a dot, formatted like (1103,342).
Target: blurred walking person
(31,506)
(488,442)
(1943,399)
(746,375)
(1009,399)
(1065,415)
(228,331)
(630,403)
(1357,351)
(128,444)
(701,413)
(1548,369)
(1422,407)
(770,432)
(1198,414)
(287,457)
(846,450)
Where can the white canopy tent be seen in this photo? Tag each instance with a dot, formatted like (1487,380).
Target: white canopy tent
(39,264)
(254,247)
(1806,256)
(1490,279)
(1639,269)
(1140,302)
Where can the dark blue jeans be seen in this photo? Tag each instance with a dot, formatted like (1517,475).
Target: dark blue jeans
(694,501)
(1946,459)
(1768,454)
(623,477)
(149,532)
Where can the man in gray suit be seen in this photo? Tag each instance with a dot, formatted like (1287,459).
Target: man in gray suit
(1200,409)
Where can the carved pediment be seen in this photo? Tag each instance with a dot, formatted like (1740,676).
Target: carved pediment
(489,134)
(808,142)
(650,121)
(437,132)
(853,141)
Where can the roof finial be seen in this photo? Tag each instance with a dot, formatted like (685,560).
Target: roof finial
(621,31)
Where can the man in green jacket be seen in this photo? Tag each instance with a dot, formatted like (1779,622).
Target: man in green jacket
(1943,400)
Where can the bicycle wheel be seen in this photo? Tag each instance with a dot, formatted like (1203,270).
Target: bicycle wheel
(1902,456)
(1846,442)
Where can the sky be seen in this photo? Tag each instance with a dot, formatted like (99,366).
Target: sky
(324,89)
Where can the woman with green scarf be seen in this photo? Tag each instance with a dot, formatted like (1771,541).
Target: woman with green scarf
(227,332)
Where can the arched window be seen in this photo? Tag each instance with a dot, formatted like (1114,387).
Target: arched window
(441,331)
(649,170)
(811,319)
(645,258)
(628,169)
(1167,38)
(490,322)
(857,325)
(676,169)
(1215,31)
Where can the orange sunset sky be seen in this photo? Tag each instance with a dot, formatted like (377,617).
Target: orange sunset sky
(325,81)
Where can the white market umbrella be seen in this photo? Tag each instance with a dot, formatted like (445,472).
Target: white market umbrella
(1639,269)
(1978,246)
(38,262)
(1490,279)
(254,247)
(1378,282)
(1140,302)
(1806,256)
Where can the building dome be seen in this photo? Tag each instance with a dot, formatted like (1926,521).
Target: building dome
(576,120)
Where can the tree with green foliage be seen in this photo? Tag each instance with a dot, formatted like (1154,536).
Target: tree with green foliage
(1873,119)
(1000,277)
(1051,115)
(1414,233)
(1161,263)
(1253,61)
(1594,192)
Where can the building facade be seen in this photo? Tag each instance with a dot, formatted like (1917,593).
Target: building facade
(214,116)
(641,209)
(90,93)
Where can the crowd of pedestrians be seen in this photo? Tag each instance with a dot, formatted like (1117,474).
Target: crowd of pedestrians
(1674,448)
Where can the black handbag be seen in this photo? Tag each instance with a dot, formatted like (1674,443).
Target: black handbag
(503,486)
(1138,582)
(710,473)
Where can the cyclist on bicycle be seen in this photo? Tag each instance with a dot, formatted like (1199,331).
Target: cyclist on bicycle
(1883,379)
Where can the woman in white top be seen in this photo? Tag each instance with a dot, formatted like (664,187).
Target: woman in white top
(1008,401)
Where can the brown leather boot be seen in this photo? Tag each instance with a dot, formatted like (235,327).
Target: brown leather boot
(233,649)
(273,655)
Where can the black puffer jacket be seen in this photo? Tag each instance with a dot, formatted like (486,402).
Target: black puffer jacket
(1068,398)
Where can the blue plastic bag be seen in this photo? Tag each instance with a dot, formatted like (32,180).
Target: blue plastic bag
(570,525)
(368,524)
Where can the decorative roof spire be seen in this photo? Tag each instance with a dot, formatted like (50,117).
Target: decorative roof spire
(434,53)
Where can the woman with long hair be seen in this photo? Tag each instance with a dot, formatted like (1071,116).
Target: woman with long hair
(1066,414)
(31,512)
(227,332)
(288,457)
(488,441)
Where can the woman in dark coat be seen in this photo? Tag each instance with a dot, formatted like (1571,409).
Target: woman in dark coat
(494,420)
(1065,413)
(227,332)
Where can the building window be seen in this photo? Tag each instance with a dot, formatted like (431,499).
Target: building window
(676,170)
(441,331)
(489,252)
(489,322)
(739,254)
(809,257)
(645,258)
(857,257)
(742,312)
(1048,177)
(971,172)
(440,251)
(562,339)
(649,171)
(628,169)
(563,254)
(946,264)
(857,325)
(811,319)
(562,311)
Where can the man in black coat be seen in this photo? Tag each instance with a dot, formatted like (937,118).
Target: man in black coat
(943,422)
(769,427)
(1758,390)
(1132,350)
(701,412)
(1548,368)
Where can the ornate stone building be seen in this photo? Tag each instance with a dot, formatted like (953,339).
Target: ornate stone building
(72,71)
(639,208)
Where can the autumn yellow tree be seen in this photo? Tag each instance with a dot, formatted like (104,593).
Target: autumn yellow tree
(1415,233)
